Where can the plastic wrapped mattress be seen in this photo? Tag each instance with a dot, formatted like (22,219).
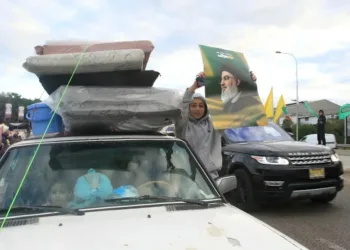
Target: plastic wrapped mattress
(98,61)
(123,109)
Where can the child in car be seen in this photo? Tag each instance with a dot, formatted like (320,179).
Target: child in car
(61,194)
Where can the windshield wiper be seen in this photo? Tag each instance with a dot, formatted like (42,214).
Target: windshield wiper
(163,198)
(44,208)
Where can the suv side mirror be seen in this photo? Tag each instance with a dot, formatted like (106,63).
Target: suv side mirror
(226,183)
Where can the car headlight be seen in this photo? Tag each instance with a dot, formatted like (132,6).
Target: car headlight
(271,160)
(335,158)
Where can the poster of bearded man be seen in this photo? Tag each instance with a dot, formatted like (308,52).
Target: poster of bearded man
(231,93)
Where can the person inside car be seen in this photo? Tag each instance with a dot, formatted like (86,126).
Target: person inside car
(61,194)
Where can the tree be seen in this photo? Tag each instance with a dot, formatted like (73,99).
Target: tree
(16,100)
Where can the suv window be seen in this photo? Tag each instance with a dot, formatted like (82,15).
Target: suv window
(84,174)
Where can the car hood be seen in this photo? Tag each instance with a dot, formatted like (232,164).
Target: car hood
(273,148)
(225,227)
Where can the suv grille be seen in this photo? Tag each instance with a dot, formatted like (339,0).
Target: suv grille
(309,158)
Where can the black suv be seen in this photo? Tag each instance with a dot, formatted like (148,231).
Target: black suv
(270,166)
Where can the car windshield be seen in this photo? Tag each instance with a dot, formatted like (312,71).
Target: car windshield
(87,174)
(272,132)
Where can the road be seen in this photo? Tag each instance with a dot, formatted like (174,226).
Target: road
(318,227)
(346,161)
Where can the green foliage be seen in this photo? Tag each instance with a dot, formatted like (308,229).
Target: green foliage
(16,100)
(304,130)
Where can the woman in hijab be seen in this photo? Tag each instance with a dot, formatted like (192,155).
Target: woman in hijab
(197,129)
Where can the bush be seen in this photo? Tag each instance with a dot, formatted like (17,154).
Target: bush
(304,130)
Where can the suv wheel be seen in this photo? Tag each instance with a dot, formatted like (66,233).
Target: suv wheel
(243,196)
(324,198)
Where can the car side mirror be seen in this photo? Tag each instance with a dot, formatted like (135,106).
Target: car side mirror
(291,134)
(226,183)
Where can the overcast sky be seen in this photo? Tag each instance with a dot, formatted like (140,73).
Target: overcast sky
(315,31)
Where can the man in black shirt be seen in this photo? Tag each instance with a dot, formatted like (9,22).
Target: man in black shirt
(321,127)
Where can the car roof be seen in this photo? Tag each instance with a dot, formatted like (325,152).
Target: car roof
(62,139)
(330,138)
(312,135)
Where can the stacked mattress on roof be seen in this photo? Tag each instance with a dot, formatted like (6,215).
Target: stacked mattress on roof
(110,87)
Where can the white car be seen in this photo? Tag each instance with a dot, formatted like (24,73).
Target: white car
(331,141)
(121,192)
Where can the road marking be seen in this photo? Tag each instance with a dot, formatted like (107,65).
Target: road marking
(331,245)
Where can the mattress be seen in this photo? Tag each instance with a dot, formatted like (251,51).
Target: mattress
(98,61)
(130,78)
(63,47)
(123,109)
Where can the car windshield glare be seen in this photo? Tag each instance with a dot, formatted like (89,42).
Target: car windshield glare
(272,132)
(87,173)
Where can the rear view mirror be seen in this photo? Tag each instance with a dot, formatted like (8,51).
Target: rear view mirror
(226,183)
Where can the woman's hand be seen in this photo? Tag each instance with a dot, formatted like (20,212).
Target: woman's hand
(200,75)
(195,84)
(253,76)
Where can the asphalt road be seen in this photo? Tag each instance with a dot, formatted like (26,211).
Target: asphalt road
(346,161)
(318,227)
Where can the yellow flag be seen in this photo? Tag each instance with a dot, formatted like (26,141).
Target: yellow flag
(269,105)
(280,109)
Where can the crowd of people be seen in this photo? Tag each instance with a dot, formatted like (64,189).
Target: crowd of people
(7,138)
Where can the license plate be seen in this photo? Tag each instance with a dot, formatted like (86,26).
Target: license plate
(316,173)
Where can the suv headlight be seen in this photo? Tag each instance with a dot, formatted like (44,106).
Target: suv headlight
(335,158)
(271,160)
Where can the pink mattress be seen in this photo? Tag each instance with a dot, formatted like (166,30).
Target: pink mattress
(144,45)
